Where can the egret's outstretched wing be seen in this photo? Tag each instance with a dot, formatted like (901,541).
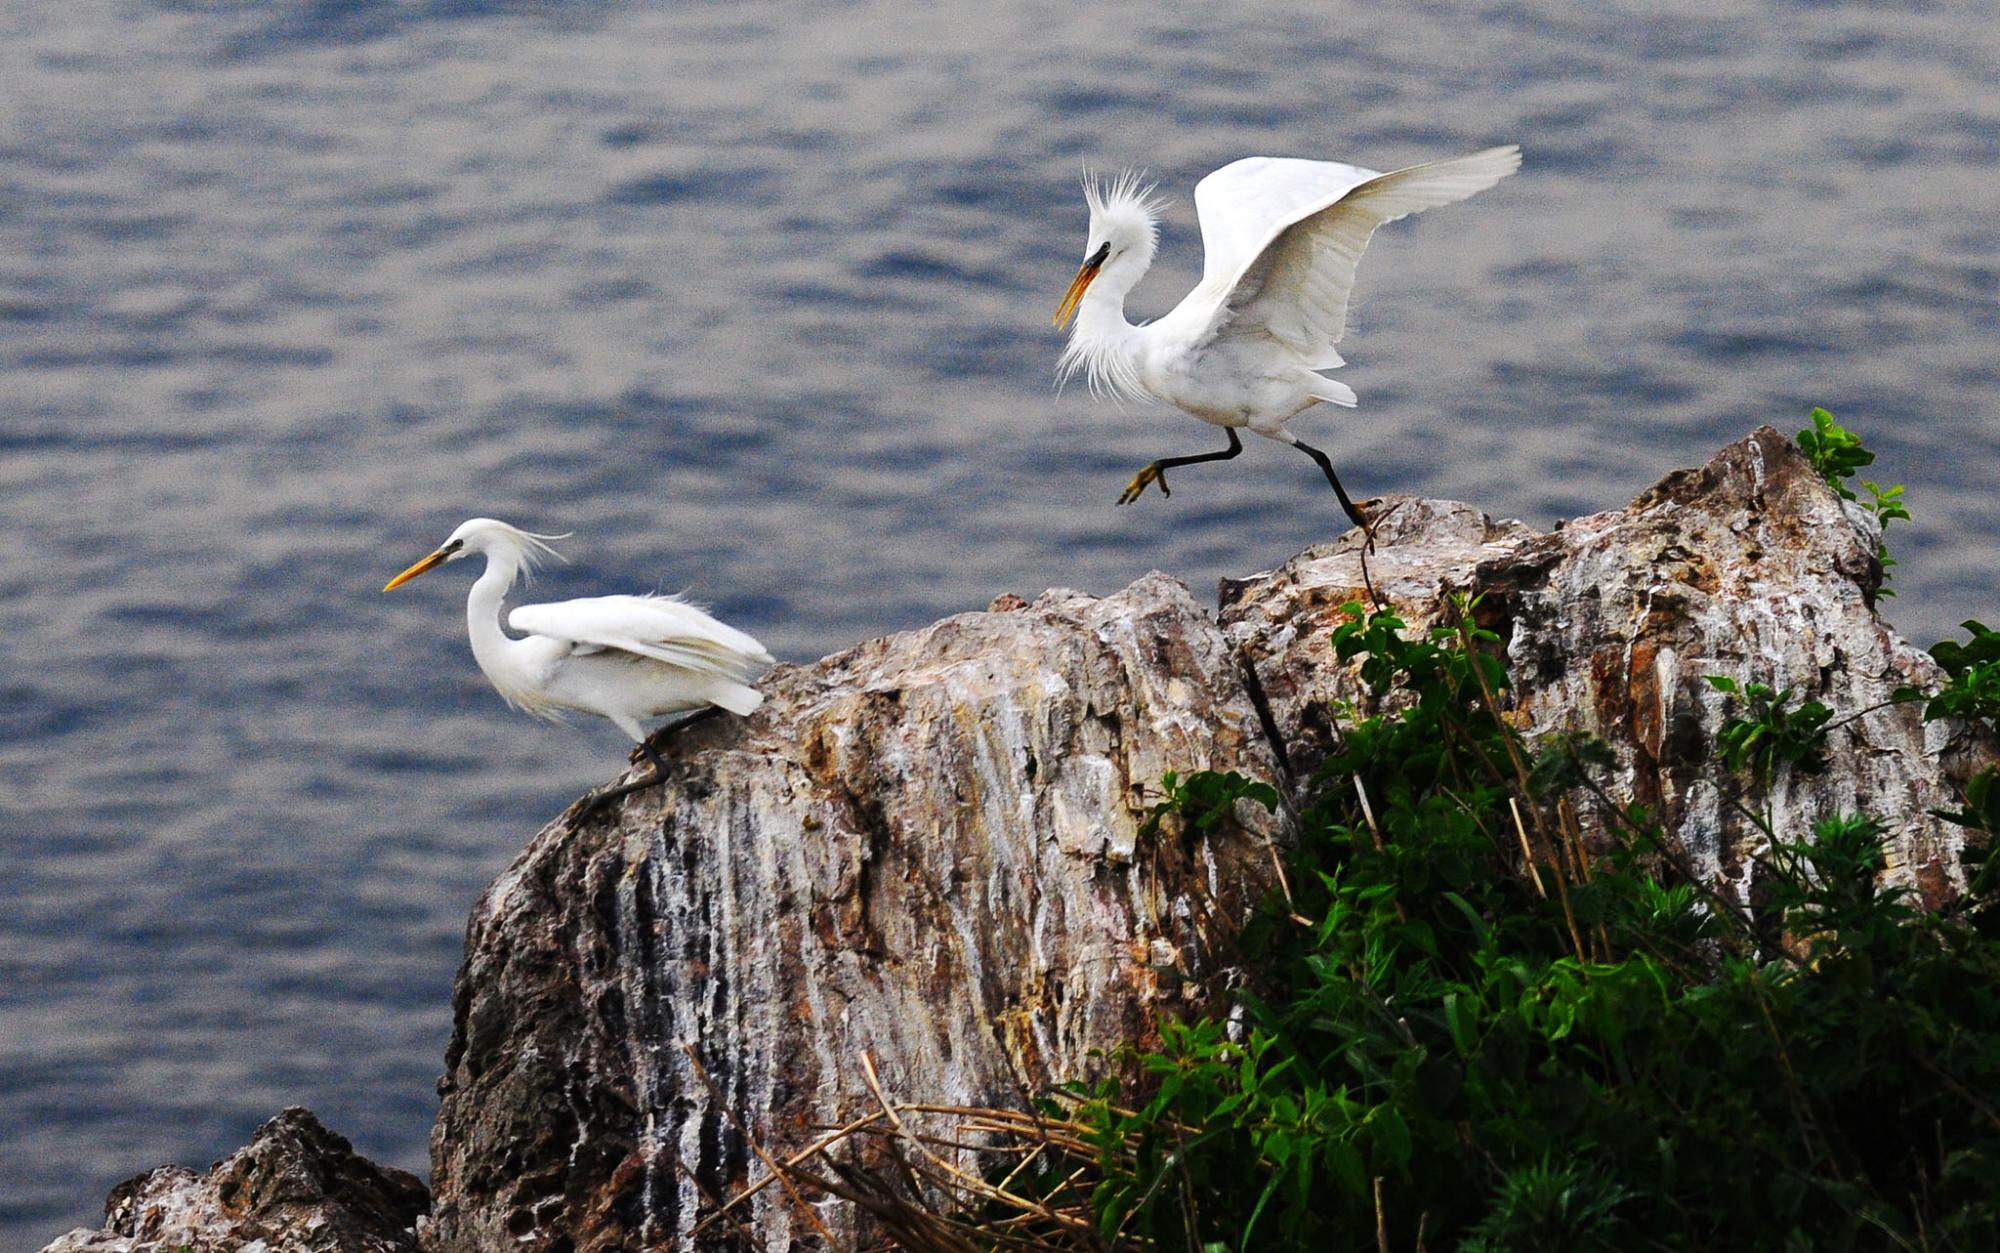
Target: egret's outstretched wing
(1296,287)
(664,628)
(1244,205)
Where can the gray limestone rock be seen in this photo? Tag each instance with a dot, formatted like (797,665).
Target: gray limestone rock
(295,1188)
(1749,567)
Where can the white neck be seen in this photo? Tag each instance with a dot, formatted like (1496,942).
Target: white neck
(491,647)
(1106,347)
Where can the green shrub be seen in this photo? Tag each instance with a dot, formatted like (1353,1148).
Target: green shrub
(1971,691)
(1465,1031)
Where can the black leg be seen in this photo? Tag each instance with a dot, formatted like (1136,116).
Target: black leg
(1157,471)
(585,809)
(645,748)
(589,805)
(1354,515)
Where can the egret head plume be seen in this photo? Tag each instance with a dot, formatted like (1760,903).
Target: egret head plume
(1124,211)
(1124,232)
(494,537)
(1125,191)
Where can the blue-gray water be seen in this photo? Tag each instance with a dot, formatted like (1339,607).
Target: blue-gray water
(755,298)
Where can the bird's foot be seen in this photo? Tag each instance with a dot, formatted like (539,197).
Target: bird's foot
(1360,514)
(1153,473)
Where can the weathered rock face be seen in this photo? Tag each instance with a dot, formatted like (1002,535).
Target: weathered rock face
(296,1187)
(1749,567)
(925,847)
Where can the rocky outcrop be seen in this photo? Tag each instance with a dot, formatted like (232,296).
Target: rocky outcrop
(295,1188)
(1749,567)
(927,849)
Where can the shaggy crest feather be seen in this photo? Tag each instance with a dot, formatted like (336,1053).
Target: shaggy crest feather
(535,548)
(1126,195)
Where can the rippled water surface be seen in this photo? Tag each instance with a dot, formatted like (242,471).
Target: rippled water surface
(755,300)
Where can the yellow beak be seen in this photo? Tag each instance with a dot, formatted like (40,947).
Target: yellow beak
(1066,311)
(435,559)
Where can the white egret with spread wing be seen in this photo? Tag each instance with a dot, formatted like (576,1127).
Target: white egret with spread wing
(623,657)
(1281,238)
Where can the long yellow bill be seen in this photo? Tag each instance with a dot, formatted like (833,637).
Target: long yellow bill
(435,559)
(1074,296)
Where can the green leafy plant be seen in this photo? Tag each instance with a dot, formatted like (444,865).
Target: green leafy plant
(1834,451)
(1771,733)
(1544,1206)
(1980,812)
(1837,453)
(1467,1030)
(1982,803)
(1206,799)
(1973,670)
(1971,691)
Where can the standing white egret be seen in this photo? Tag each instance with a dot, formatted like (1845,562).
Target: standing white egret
(1281,238)
(624,657)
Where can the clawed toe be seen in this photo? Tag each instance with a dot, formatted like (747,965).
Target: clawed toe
(1137,487)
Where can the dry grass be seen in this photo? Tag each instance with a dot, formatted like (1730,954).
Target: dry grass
(941,1179)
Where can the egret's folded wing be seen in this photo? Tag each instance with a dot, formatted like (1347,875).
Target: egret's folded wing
(1296,290)
(661,627)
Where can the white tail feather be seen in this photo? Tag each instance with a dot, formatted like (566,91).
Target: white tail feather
(735,697)
(1332,391)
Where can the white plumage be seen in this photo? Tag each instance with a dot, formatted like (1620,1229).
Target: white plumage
(623,657)
(1281,238)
